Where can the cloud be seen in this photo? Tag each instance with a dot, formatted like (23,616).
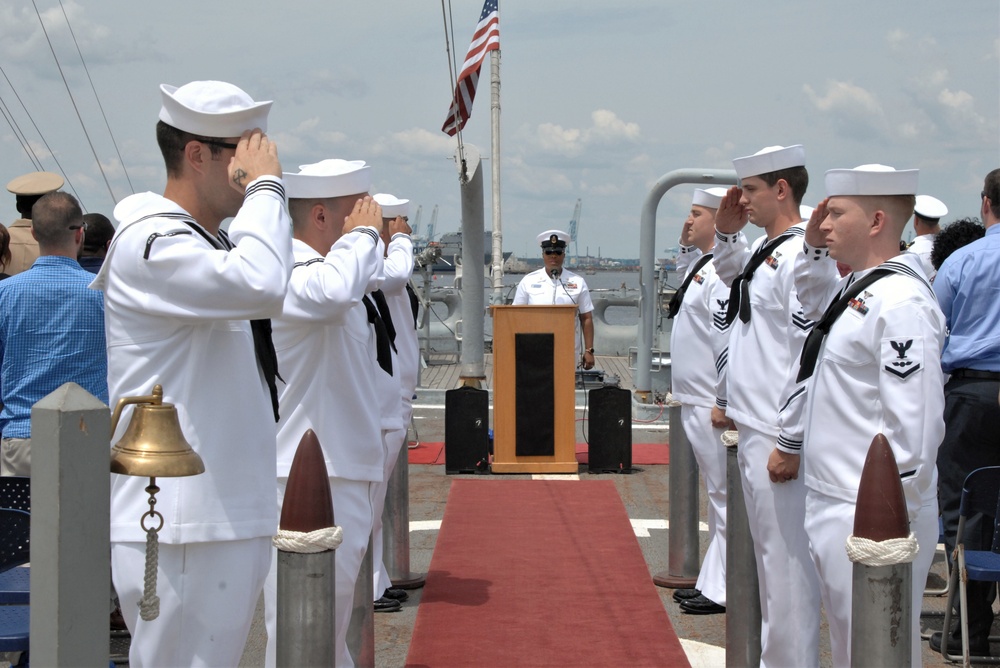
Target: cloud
(853,110)
(606,129)
(415,143)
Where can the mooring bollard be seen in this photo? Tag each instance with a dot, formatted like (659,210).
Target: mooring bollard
(882,549)
(396,525)
(743,616)
(306,540)
(682,536)
(361,631)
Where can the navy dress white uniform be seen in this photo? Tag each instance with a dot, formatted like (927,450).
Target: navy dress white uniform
(758,377)
(695,344)
(325,347)
(878,371)
(928,211)
(538,287)
(396,272)
(177,310)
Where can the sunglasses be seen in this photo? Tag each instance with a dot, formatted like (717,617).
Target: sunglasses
(81,226)
(554,251)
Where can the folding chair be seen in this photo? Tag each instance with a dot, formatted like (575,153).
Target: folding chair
(980,495)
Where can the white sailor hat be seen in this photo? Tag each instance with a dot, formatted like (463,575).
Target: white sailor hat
(930,208)
(708,197)
(212,109)
(871,180)
(805,211)
(770,159)
(328,178)
(392,207)
(35,183)
(553,239)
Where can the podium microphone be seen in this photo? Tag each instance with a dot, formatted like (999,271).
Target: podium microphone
(555,273)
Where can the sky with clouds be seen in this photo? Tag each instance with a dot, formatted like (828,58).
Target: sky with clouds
(599,100)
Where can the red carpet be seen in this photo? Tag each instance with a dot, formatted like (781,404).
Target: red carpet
(539,573)
(642,453)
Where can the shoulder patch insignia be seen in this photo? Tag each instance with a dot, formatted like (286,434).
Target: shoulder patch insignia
(902,357)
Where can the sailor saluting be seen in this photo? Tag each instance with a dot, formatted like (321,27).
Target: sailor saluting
(179,295)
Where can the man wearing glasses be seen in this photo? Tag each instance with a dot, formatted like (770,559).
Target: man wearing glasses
(554,285)
(51,327)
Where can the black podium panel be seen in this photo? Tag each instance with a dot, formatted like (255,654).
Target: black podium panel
(466,430)
(610,430)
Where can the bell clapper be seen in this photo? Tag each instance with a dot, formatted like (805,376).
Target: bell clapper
(149,604)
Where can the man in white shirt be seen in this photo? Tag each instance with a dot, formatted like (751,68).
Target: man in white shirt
(927,215)
(695,344)
(179,298)
(554,285)
(877,370)
(326,347)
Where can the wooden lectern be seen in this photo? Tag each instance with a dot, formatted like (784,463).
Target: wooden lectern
(534,364)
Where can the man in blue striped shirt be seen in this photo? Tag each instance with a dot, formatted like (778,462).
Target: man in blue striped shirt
(51,328)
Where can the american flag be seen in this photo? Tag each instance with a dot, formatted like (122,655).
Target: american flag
(485,39)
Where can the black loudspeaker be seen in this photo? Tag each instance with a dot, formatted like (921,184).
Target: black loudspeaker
(466,430)
(610,430)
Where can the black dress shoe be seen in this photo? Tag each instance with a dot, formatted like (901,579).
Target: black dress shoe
(396,594)
(701,605)
(685,594)
(387,605)
(977,646)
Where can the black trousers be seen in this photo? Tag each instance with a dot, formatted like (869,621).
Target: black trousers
(971,441)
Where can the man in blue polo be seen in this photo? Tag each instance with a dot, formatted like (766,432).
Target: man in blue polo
(51,327)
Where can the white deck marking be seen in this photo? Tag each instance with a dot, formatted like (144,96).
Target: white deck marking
(640,527)
(703,655)
(555,476)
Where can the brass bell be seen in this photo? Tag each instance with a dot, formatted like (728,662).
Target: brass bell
(153,445)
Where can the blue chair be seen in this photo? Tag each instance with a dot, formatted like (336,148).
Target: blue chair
(15,492)
(980,495)
(15,536)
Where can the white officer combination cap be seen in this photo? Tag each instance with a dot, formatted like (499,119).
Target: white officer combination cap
(212,109)
(392,207)
(550,238)
(770,159)
(930,208)
(871,180)
(328,178)
(35,183)
(710,198)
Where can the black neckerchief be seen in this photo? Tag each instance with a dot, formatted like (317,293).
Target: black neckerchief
(383,344)
(811,348)
(263,345)
(678,298)
(414,303)
(739,293)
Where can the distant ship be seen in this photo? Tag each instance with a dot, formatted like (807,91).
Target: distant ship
(451,251)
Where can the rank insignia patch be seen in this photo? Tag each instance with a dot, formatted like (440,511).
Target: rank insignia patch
(902,357)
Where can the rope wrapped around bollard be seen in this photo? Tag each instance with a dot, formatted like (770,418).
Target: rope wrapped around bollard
(309,542)
(882,553)
(670,402)
(730,438)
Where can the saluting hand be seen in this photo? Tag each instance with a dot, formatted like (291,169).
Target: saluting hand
(731,216)
(256,156)
(366,213)
(397,225)
(814,236)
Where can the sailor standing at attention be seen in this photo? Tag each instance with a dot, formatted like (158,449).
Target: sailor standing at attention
(927,215)
(186,307)
(402,304)
(695,344)
(877,370)
(325,344)
(766,334)
(554,285)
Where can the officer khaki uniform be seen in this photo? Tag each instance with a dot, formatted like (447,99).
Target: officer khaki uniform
(177,310)
(23,247)
(326,347)
(878,371)
(758,377)
(695,344)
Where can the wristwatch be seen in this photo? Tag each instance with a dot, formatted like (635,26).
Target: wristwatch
(589,350)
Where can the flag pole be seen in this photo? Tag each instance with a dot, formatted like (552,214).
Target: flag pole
(497,264)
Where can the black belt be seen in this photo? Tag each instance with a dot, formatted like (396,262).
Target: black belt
(975,374)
